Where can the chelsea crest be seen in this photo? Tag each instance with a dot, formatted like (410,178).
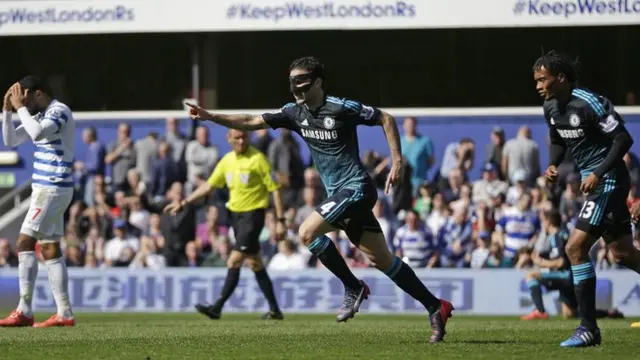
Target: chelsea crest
(574,120)
(329,123)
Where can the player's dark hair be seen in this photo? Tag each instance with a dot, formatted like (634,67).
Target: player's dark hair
(554,218)
(33,83)
(466,140)
(557,63)
(310,64)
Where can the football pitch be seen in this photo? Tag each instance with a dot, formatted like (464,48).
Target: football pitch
(190,336)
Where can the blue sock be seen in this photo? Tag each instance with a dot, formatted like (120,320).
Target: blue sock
(584,282)
(328,254)
(406,279)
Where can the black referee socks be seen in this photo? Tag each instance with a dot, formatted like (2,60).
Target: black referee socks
(264,281)
(230,283)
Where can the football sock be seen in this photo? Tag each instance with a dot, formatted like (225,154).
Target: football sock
(328,254)
(536,294)
(230,283)
(584,281)
(27,273)
(59,282)
(406,279)
(267,289)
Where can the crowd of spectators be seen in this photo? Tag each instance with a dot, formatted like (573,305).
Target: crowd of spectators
(449,220)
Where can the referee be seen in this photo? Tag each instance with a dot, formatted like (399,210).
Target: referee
(247,174)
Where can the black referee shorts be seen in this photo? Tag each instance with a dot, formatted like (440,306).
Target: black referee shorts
(247,227)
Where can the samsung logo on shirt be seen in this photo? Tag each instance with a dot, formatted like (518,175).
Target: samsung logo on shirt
(320,134)
(571,134)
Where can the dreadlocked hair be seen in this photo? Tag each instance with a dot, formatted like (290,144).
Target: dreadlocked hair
(557,63)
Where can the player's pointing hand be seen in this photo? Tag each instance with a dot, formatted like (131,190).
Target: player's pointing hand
(198,113)
(395,176)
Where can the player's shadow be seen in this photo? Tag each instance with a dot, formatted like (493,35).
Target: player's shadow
(486,342)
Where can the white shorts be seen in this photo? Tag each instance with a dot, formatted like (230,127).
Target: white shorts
(45,218)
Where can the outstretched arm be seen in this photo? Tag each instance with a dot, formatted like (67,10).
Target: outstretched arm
(233,121)
(388,123)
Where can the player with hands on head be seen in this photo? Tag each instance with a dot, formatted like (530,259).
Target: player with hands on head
(49,124)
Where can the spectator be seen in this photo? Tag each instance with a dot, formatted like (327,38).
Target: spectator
(630,99)
(219,254)
(377,167)
(464,202)
(498,205)
(94,162)
(115,253)
(284,156)
(146,155)
(518,228)
(121,155)
(480,255)
(73,257)
(201,156)
(312,179)
(455,181)
(385,223)
(177,143)
(521,154)
(417,149)
(571,199)
(138,216)
(415,244)
(425,200)
(135,185)
(496,257)
(193,257)
(148,256)
(7,257)
(79,180)
(458,155)
(308,197)
(209,232)
(287,258)
(262,140)
(177,230)
(482,218)
(519,187)
(456,237)
(164,172)
(490,184)
(438,215)
(538,198)
(155,233)
(493,150)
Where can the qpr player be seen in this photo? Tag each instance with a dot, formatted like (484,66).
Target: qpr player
(50,125)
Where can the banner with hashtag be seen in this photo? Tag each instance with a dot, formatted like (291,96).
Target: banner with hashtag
(132,16)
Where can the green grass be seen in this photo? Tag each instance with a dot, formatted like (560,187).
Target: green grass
(189,336)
